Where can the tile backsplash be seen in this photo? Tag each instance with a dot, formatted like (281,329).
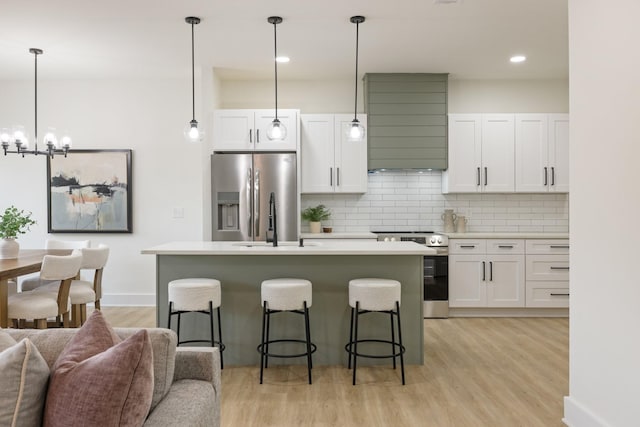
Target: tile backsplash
(408,200)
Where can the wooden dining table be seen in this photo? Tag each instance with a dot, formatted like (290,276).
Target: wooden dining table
(28,261)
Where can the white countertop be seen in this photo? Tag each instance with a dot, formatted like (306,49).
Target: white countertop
(290,248)
(499,235)
(360,235)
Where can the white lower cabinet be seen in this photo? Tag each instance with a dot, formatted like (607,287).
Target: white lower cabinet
(483,274)
(547,273)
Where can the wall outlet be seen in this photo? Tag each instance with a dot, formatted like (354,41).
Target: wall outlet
(178,212)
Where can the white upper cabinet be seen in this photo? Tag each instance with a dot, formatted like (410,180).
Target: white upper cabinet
(481,154)
(329,162)
(542,153)
(246,130)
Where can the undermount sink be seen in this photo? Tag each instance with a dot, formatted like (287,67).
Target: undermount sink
(264,244)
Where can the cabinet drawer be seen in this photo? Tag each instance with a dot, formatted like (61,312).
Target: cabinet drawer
(548,294)
(507,246)
(551,246)
(547,267)
(467,246)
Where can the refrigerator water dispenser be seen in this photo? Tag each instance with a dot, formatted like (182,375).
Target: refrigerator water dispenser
(228,210)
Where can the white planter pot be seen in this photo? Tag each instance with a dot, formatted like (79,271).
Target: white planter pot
(9,249)
(314,227)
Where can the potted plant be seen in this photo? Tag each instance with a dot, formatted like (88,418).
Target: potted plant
(12,223)
(316,214)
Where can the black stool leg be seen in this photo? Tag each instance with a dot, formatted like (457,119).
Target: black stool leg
(393,340)
(355,342)
(262,347)
(308,336)
(351,337)
(220,339)
(170,310)
(400,340)
(266,341)
(179,315)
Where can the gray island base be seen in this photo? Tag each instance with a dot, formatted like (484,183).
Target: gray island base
(329,268)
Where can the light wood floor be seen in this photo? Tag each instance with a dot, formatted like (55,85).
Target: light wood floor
(478,372)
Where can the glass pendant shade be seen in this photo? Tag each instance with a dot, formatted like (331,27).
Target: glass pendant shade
(20,136)
(65,141)
(192,132)
(50,139)
(355,131)
(276,131)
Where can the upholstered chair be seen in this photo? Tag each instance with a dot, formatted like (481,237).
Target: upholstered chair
(30,283)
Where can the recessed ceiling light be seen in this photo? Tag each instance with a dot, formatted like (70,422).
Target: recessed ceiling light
(518,58)
(283,59)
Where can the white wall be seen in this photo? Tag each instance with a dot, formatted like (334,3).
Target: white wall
(146,116)
(605,313)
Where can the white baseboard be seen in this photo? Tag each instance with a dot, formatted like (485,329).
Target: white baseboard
(134,300)
(577,415)
(508,312)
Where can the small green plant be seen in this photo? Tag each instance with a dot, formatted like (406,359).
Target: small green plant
(316,213)
(14,222)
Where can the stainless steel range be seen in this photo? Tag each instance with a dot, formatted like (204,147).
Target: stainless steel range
(436,268)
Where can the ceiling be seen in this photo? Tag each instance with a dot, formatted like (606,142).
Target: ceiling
(470,39)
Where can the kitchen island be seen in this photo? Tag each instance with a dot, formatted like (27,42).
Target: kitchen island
(242,266)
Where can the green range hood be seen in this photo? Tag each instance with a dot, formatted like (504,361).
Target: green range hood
(407,120)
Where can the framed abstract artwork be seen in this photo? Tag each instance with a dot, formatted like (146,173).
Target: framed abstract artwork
(89,191)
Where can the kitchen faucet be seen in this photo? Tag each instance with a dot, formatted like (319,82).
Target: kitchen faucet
(273,220)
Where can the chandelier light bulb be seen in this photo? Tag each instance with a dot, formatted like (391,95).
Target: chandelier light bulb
(50,139)
(65,141)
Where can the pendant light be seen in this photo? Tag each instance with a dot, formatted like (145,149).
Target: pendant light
(192,132)
(20,138)
(356,131)
(276,130)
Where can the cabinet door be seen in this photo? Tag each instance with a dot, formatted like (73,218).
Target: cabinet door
(233,130)
(559,153)
(350,157)
(465,138)
(533,172)
(317,153)
(498,162)
(505,281)
(467,281)
(263,119)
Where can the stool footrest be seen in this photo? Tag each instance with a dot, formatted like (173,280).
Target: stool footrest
(375,356)
(218,343)
(261,351)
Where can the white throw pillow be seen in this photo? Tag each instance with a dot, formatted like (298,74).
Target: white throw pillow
(23,383)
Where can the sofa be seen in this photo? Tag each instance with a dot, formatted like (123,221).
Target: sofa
(186,388)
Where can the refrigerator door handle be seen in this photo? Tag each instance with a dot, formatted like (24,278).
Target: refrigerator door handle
(256,202)
(249,178)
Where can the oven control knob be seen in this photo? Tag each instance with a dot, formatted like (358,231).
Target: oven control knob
(386,239)
(439,240)
(393,239)
(432,240)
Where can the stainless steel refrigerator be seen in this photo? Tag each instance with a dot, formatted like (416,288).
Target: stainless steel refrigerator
(241,184)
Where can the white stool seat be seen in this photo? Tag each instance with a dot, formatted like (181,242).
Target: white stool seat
(374,294)
(194,294)
(286,294)
(80,292)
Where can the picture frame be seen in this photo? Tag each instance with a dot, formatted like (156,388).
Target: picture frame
(89,191)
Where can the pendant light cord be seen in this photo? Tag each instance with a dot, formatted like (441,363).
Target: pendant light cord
(35,136)
(193,73)
(355,107)
(275,61)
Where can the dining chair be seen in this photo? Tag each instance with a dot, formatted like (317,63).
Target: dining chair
(39,306)
(31,283)
(83,292)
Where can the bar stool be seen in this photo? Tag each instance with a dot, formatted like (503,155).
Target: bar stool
(368,296)
(281,295)
(196,295)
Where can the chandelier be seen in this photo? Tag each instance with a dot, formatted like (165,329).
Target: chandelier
(20,138)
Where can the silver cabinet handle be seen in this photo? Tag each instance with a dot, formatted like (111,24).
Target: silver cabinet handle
(249,204)
(558,268)
(491,271)
(545,175)
(478,181)
(559,246)
(338,177)
(484,269)
(331,177)
(250,135)
(559,295)
(505,246)
(553,175)
(467,246)
(486,177)
(258,135)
